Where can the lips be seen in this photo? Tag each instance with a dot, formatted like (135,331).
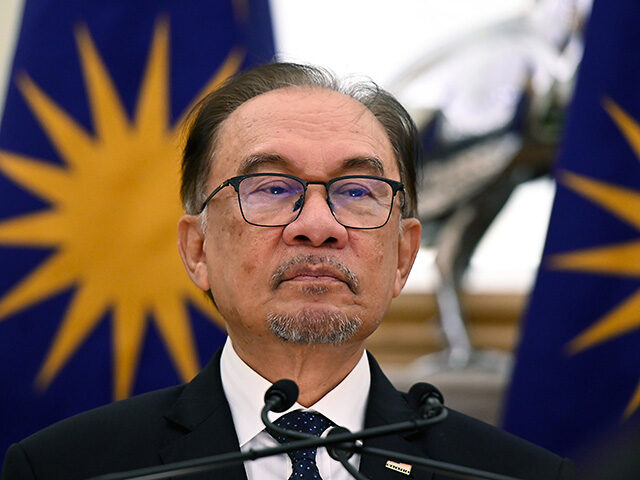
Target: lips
(310,273)
(312,268)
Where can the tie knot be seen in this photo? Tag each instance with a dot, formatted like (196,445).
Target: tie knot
(312,423)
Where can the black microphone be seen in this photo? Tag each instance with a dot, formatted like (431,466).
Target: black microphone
(426,399)
(281,395)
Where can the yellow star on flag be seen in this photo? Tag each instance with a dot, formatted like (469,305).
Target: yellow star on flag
(112,219)
(621,260)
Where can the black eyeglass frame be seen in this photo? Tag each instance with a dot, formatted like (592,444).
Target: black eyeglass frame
(235,183)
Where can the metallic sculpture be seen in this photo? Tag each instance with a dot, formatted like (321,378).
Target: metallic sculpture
(490,107)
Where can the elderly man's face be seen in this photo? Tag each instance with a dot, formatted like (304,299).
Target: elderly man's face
(312,281)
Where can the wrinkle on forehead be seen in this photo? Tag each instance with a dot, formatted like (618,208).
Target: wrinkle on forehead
(318,118)
(337,110)
(253,163)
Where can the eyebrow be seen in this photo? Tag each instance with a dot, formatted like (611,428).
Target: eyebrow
(372,164)
(254,162)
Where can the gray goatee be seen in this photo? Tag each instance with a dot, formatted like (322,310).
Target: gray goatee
(314,327)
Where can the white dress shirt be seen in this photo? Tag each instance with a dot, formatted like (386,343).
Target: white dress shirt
(244,388)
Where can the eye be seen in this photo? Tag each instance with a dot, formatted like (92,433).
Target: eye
(353,190)
(272,187)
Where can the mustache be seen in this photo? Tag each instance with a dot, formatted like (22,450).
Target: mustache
(332,263)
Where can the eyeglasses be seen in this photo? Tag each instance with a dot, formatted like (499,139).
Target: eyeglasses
(276,199)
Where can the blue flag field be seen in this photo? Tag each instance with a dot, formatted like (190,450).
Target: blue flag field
(94,302)
(577,374)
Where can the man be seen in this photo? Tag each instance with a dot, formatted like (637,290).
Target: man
(300,195)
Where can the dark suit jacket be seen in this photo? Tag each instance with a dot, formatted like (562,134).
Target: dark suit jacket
(194,420)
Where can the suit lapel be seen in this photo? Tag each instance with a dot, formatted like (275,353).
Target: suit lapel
(386,405)
(203,423)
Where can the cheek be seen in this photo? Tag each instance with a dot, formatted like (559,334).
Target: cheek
(242,254)
(379,263)
(387,264)
(224,238)
(385,253)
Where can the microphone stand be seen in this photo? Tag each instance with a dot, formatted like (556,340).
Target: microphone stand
(352,444)
(204,464)
(341,452)
(340,443)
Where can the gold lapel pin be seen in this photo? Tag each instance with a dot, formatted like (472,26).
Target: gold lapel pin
(399,467)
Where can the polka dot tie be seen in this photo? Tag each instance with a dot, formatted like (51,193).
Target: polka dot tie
(303,461)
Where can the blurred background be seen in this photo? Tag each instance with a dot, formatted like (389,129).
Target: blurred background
(524,322)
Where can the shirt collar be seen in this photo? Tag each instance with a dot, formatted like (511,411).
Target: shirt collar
(345,405)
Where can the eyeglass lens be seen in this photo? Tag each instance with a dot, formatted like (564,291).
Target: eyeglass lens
(276,200)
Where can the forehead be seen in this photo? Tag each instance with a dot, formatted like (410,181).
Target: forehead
(302,130)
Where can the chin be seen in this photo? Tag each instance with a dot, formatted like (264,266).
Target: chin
(314,325)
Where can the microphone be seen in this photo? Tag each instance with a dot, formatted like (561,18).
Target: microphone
(281,395)
(340,442)
(426,399)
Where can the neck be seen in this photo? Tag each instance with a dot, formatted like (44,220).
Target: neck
(316,369)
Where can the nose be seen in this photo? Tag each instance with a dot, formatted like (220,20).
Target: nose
(316,225)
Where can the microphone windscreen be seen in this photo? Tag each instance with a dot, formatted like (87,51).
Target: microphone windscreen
(420,392)
(286,391)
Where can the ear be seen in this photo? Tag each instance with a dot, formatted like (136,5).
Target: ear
(408,246)
(191,248)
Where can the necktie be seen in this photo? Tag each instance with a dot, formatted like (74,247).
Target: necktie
(303,461)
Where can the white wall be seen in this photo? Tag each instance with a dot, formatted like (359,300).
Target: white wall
(10,14)
(380,38)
